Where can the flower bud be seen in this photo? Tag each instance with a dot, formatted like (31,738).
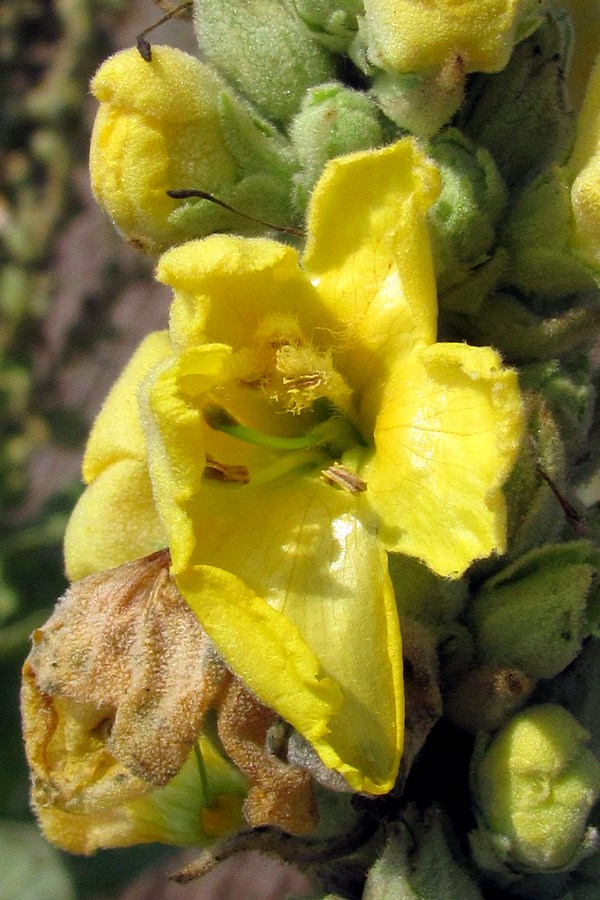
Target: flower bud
(265,50)
(522,115)
(532,614)
(462,221)
(170,124)
(334,120)
(553,233)
(333,22)
(535,786)
(421,859)
(403,36)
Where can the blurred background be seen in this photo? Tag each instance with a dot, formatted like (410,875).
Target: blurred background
(74,303)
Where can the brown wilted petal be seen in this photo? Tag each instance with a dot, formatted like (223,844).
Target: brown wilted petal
(116,685)
(421,688)
(280,794)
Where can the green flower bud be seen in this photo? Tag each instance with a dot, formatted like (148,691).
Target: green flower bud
(539,236)
(533,613)
(553,233)
(265,50)
(522,114)
(419,103)
(567,387)
(420,860)
(506,322)
(332,22)
(334,120)
(462,221)
(535,785)
(171,124)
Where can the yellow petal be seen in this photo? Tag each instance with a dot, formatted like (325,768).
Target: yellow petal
(305,615)
(117,431)
(174,425)
(180,813)
(114,521)
(409,36)
(225,286)
(446,438)
(368,252)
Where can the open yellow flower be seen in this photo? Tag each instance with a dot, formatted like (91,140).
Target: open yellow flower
(300,422)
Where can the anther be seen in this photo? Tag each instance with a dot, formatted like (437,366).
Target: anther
(338,475)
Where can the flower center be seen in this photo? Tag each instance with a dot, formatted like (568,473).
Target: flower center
(294,379)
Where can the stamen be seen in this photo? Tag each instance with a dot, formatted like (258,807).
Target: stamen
(217,471)
(339,475)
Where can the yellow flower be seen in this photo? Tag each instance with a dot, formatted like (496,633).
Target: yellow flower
(412,35)
(170,124)
(302,423)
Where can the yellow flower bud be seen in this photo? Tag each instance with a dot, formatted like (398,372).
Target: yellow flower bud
(537,783)
(157,129)
(171,124)
(409,36)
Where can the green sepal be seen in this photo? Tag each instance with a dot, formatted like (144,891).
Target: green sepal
(534,613)
(422,595)
(462,221)
(460,304)
(265,50)
(538,235)
(332,22)
(255,144)
(505,321)
(534,514)
(419,103)
(567,385)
